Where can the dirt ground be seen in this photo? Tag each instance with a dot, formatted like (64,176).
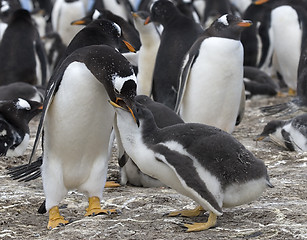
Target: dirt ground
(280,213)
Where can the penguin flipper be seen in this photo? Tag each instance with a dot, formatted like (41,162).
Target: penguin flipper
(184,168)
(53,85)
(183,78)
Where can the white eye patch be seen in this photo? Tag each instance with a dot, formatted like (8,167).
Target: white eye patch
(223,19)
(23,104)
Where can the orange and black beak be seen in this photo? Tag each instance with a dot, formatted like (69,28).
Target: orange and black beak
(82,21)
(259,2)
(245,23)
(127,105)
(148,20)
(129,46)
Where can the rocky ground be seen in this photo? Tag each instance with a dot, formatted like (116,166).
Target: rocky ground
(280,213)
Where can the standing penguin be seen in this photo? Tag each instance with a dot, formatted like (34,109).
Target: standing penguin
(63,13)
(77,102)
(179,33)
(211,84)
(15,116)
(19,49)
(150,39)
(287,33)
(199,161)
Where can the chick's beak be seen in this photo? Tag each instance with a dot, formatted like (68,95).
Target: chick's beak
(129,105)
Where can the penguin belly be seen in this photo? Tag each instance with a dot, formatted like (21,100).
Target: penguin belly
(213,91)
(287,37)
(76,136)
(241,193)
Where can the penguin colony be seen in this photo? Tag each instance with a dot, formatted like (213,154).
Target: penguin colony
(168,82)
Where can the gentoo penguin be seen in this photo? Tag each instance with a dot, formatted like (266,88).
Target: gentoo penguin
(128,32)
(150,39)
(88,77)
(258,82)
(211,82)
(300,101)
(22,90)
(119,8)
(19,50)
(98,32)
(15,116)
(63,13)
(179,33)
(290,134)
(164,116)
(199,161)
(287,39)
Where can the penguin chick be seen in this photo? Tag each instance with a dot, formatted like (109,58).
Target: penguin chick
(129,171)
(289,134)
(199,161)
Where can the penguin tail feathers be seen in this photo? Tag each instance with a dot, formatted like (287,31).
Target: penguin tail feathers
(281,109)
(42,209)
(26,172)
(274,109)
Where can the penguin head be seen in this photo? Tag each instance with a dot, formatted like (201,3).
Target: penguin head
(270,128)
(161,11)
(125,95)
(20,109)
(228,26)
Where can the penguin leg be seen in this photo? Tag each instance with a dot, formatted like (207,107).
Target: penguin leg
(55,219)
(94,207)
(196,227)
(187,213)
(111,184)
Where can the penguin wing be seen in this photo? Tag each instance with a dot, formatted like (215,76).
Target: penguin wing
(300,123)
(53,86)
(184,168)
(184,74)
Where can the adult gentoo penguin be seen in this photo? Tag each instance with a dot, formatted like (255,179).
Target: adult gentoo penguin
(290,134)
(150,39)
(63,13)
(86,78)
(19,49)
(98,32)
(199,161)
(15,116)
(179,33)
(300,101)
(211,83)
